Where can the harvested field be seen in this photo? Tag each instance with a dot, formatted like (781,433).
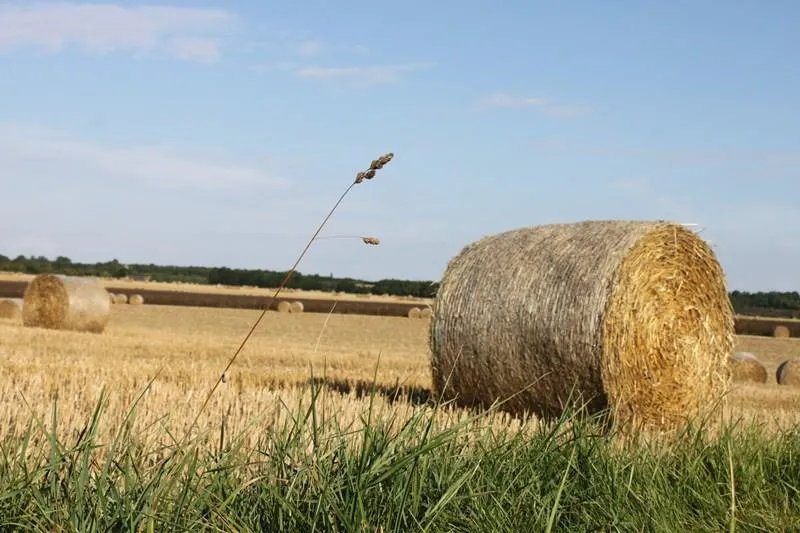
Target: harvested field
(188,347)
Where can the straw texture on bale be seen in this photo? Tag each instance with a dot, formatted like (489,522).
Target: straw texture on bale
(296,307)
(67,303)
(136,299)
(284,307)
(630,315)
(746,368)
(120,298)
(11,308)
(781,332)
(788,373)
(414,312)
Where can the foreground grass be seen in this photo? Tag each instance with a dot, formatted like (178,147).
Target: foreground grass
(312,474)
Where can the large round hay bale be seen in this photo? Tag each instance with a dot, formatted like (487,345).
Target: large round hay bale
(782,332)
(136,299)
(296,307)
(788,373)
(11,308)
(746,368)
(630,315)
(65,302)
(414,312)
(284,307)
(120,298)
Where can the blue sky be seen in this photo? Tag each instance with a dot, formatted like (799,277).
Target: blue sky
(220,133)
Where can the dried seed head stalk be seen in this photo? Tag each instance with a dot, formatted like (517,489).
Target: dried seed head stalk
(376,165)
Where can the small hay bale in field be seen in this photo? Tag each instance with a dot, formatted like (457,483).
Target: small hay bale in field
(425,312)
(746,368)
(136,299)
(111,297)
(66,302)
(788,373)
(414,312)
(296,307)
(629,315)
(120,298)
(11,308)
(782,332)
(284,307)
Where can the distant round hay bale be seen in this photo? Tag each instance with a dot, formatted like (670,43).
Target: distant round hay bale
(296,307)
(788,373)
(136,299)
(120,298)
(425,312)
(414,312)
(67,303)
(746,368)
(11,308)
(781,331)
(629,315)
(111,297)
(284,307)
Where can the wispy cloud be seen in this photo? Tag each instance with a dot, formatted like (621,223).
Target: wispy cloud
(544,105)
(185,33)
(308,48)
(31,152)
(376,74)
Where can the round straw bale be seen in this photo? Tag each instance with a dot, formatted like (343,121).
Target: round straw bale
(284,307)
(111,297)
(136,299)
(747,368)
(781,331)
(414,312)
(11,308)
(120,298)
(788,373)
(296,307)
(629,315)
(425,312)
(66,302)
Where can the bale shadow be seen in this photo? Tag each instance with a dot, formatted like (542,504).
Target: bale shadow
(363,389)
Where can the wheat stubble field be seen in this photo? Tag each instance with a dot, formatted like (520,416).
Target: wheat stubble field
(266,455)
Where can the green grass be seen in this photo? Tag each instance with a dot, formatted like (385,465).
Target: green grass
(419,476)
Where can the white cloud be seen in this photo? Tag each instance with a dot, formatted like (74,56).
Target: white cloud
(363,74)
(308,48)
(510,101)
(34,152)
(186,33)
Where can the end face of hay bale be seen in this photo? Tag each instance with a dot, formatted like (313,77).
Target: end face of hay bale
(136,299)
(746,368)
(296,307)
(781,332)
(284,307)
(120,298)
(11,308)
(426,312)
(414,312)
(67,303)
(624,314)
(788,373)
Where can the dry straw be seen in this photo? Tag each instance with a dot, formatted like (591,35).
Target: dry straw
(631,315)
(136,299)
(788,373)
(284,306)
(111,298)
(425,312)
(781,332)
(120,298)
(746,368)
(11,308)
(65,302)
(296,307)
(414,312)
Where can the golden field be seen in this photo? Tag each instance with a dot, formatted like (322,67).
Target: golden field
(185,349)
(223,289)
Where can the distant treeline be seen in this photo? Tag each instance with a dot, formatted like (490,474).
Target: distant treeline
(773,303)
(214,276)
